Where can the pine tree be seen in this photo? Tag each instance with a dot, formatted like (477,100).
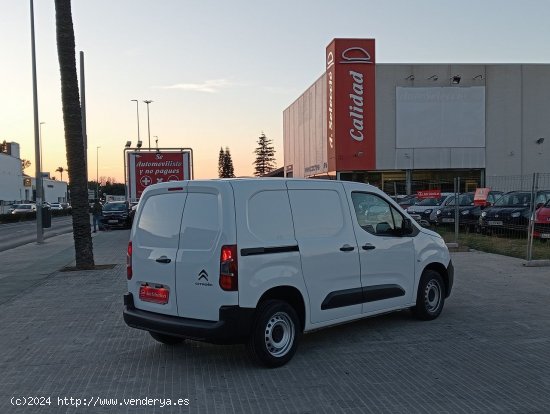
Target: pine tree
(225,164)
(265,156)
(228,164)
(221,163)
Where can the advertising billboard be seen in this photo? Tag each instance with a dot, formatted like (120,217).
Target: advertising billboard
(152,167)
(350,77)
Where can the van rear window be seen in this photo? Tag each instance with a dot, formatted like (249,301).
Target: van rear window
(201,222)
(160,220)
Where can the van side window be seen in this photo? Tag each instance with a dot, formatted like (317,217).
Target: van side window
(316,213)
(160,219)
(375,215)
(268,216)
(201,224)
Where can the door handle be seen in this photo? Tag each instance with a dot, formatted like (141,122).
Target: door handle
(163,259)
(347,248)
(368,246)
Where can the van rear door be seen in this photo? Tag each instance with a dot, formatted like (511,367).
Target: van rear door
(208,224)
(155,238)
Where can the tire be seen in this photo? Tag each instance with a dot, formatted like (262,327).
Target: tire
(166,339)
(275,334)
(430,297)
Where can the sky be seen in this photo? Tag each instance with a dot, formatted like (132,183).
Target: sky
(220,73)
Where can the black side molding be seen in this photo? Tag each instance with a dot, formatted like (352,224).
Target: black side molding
(251,251)
(349,297)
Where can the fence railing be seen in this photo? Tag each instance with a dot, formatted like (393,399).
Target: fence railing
(515,221)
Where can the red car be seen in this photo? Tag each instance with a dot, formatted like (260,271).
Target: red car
(542,222)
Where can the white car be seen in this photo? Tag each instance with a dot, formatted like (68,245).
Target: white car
(56,206)
(425,211)
(23,208)
(249,260)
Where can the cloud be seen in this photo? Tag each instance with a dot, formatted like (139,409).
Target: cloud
(209,86)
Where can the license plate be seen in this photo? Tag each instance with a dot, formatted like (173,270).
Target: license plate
(448,220)
(154,295)
(545,236)
(495,223)
(113,221)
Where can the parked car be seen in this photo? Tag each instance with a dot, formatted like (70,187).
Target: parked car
(133,208)
(407,201)
(56,206)
(468,213)
(116,214)
(23,208)
(66,206)
(424,210)
(511,212)
(542,222)
(204,263)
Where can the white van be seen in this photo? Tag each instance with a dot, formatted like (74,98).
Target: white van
(261,261)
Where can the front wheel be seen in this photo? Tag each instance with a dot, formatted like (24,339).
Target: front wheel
(166,339)
(430,297)
(275,333)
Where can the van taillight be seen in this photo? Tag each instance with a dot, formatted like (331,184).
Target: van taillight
(129,261)
(229,268)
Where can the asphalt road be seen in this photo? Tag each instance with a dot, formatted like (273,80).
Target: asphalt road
(17,234)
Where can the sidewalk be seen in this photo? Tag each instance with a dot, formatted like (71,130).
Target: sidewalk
(26,266)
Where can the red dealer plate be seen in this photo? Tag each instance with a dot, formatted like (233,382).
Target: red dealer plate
(154,295)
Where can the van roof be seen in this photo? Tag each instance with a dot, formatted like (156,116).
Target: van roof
(249,179)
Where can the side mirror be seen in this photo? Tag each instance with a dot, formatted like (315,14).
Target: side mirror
(407,227)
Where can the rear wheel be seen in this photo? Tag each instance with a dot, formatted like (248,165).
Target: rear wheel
(430,297)
(275,334)
(166,339)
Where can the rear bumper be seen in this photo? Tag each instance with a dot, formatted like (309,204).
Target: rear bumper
(233,326)
(120,222)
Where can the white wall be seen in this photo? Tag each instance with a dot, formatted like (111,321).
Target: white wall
(440,117)
(54,191)
(11,178)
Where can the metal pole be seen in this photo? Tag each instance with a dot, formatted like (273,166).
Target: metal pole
(38,180)
(97,173)
(137,113)
(530,227)
(41,148)
(126,192)
(147,101)
(457,191)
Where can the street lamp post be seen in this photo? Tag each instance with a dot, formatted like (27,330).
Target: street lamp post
(137,113)
(38,180)
(41,150)
(148,101)
(97,173)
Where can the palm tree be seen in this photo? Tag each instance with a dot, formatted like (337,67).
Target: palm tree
(60,170)
(74,141)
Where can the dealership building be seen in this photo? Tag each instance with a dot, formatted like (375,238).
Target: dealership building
(409,127)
